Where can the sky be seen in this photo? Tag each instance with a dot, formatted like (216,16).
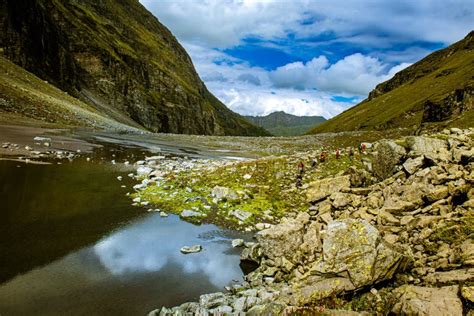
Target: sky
(307,57)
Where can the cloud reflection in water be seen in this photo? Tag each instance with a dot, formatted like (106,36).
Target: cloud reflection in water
(149,245)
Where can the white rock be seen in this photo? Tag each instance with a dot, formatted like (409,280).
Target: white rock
(237,243)
(191,249)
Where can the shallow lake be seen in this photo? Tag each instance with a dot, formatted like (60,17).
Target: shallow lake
(72,244)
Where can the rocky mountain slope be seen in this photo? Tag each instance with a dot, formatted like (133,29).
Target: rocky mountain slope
(391,233)
(117,57)
(284,124)
(438,90)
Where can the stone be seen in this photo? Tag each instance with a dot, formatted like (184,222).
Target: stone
(262,226)
(411,165)
(190,214)
(224,193)
(267,309)
(450,277)
(163,214)
(191,249)
(247,176)
(321,189)
(144,171)
(282,240)
(437,194)
(237,243)
(467,292)
(415,300)
(340,200)
(467,252)
(241,215)
(212,300)
(421,145)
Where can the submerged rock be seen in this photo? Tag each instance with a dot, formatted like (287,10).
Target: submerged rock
(191,249)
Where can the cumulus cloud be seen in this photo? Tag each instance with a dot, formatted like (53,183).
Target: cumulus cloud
(391,35)
(355,74)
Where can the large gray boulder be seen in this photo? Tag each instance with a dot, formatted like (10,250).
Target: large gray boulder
(426,301)
(321,189)
(419,145)
(354,255)
(284,239)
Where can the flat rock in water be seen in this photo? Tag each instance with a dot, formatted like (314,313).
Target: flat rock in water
(191,249)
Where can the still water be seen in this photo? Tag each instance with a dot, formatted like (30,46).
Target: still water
(72,244)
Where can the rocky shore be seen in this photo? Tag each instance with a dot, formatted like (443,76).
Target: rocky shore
(393,233)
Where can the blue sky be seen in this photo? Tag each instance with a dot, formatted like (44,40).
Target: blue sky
(307,57)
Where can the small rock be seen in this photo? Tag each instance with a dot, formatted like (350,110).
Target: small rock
(191,249)
(163,214)
(119,178)
(237,243)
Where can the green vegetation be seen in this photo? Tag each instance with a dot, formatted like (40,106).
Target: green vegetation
(26,95)
(283,124)
(442,82)
(265,188)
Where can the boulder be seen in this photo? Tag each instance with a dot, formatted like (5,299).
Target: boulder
(237,243)
(213,300)
(419,145)
(144,171)
(240,215)
(284,239)
(190,214)
(321,189)
(416,300)
(191,249)
(411,165)
(224,193)
(353,256)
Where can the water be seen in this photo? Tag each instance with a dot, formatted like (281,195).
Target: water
(72,244)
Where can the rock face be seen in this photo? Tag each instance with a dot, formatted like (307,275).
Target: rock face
(117,57)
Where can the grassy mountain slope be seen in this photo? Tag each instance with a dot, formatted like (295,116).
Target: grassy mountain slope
(25,95)
(117,57)
(283,124)
(436,90)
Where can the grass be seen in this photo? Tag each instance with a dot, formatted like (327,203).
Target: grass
(433,78)
(266,189)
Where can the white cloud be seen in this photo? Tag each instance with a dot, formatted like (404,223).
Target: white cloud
(224,23)
(384,28)
(354,75)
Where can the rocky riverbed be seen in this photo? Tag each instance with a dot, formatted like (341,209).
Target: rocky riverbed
(390,230)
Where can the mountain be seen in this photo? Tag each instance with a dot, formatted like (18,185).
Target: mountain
(284,124)
(117,57)
(434,92)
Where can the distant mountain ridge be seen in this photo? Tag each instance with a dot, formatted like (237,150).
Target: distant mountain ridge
(435,92)
(117,57)
(283,124)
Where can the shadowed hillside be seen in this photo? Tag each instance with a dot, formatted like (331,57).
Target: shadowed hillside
(117,57)
(284,124)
